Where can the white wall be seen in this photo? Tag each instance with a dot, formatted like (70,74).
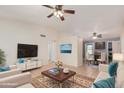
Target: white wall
(116,45)
(75,58)
(80,52)
(122,42)
(13,32)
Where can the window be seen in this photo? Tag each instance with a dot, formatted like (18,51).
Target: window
(89,51)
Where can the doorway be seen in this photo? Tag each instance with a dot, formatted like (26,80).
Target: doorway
(52,51)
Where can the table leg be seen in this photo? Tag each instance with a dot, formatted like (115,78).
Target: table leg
(43,78)
(73,80)
(60,85)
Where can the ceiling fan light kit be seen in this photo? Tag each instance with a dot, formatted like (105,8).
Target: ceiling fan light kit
(94,37)
(58,13)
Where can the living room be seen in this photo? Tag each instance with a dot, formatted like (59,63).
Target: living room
(59,45)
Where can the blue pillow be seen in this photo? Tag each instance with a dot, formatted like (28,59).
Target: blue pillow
(112,70)
(5,68)
(21,61)
(107,83)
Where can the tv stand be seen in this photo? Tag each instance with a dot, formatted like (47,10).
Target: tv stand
(29,64)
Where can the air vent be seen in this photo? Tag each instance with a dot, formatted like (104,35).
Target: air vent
(42,35)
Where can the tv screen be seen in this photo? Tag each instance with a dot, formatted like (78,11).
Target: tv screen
(66,48)
(100,45)
(26,50)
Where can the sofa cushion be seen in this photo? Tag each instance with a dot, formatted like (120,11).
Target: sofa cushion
(112,70)
(101,76)
(9,73)
(16,80)
(105,83)
(28,85)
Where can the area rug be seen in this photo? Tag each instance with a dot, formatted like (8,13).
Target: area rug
(80,82)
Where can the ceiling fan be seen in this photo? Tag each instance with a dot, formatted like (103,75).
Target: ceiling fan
(58,11)
(95,35)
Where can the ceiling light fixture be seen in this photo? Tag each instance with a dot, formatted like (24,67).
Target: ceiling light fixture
(58,13)
(94,36)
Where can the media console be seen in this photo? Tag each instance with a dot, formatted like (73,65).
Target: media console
(29,64)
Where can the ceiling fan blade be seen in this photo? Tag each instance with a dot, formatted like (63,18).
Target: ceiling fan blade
(48,6)
(50,15)
(62,18)
(69,11)
(99,36)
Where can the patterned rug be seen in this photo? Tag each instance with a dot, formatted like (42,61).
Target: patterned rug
(80,82)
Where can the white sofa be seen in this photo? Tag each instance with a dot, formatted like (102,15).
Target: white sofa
(14,78)
(22,80)
(103,74)
(13,71)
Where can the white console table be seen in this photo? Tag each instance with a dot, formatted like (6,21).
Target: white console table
(29,64)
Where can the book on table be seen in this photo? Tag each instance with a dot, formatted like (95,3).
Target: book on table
(54,71)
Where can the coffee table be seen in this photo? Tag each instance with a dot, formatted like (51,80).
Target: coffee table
(61,77)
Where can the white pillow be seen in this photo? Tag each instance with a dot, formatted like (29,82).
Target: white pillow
(120,75)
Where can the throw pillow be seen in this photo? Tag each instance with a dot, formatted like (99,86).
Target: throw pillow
(21,61)
(5,68)
(107,83)
(112,70)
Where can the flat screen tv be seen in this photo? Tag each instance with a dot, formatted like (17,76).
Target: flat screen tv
(26,50)
(66,48)
(100,45)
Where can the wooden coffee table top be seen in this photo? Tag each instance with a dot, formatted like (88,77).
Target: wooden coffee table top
(59,77)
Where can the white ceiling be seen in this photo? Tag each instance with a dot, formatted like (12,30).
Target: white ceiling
(106,20)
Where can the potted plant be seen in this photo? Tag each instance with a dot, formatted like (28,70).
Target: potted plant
(2,58)
(59,64)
